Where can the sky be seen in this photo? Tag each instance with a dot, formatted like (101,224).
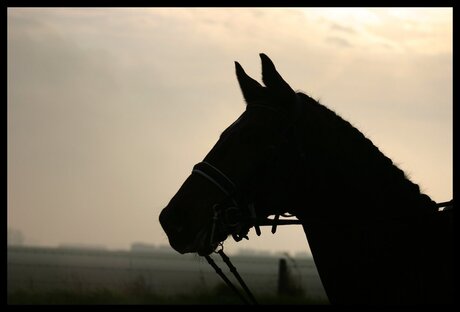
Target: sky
(109,108)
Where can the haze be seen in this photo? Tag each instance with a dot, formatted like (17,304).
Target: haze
(109,108)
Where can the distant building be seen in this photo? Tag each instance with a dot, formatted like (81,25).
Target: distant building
(82,246)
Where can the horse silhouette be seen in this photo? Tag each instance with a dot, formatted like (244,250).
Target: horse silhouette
(374,237)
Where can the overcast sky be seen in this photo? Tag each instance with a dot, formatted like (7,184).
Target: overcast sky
(109,109)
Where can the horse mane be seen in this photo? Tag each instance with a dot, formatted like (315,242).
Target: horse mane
(359,159)
(374,236)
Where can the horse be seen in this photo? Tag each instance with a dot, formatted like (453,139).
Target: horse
(374,236)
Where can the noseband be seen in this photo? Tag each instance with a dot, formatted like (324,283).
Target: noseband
(235,215)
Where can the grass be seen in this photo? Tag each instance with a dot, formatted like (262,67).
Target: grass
(219,296)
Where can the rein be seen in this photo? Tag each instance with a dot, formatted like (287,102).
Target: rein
(238,227)
(252,299)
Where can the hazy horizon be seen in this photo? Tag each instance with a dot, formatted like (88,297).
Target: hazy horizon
(108,109)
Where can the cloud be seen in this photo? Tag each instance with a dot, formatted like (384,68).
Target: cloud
(340,28)
(339,42)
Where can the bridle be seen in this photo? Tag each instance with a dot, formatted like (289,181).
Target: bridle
(235,218)
(235,215)
(239,215)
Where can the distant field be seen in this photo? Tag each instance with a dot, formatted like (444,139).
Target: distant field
(67,276)
(221,295)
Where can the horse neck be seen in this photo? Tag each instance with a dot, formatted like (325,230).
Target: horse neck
(343,169)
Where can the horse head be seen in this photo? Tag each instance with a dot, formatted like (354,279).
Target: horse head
(250,172)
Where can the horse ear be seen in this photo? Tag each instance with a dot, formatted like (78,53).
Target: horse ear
(251,89)
(272,79)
